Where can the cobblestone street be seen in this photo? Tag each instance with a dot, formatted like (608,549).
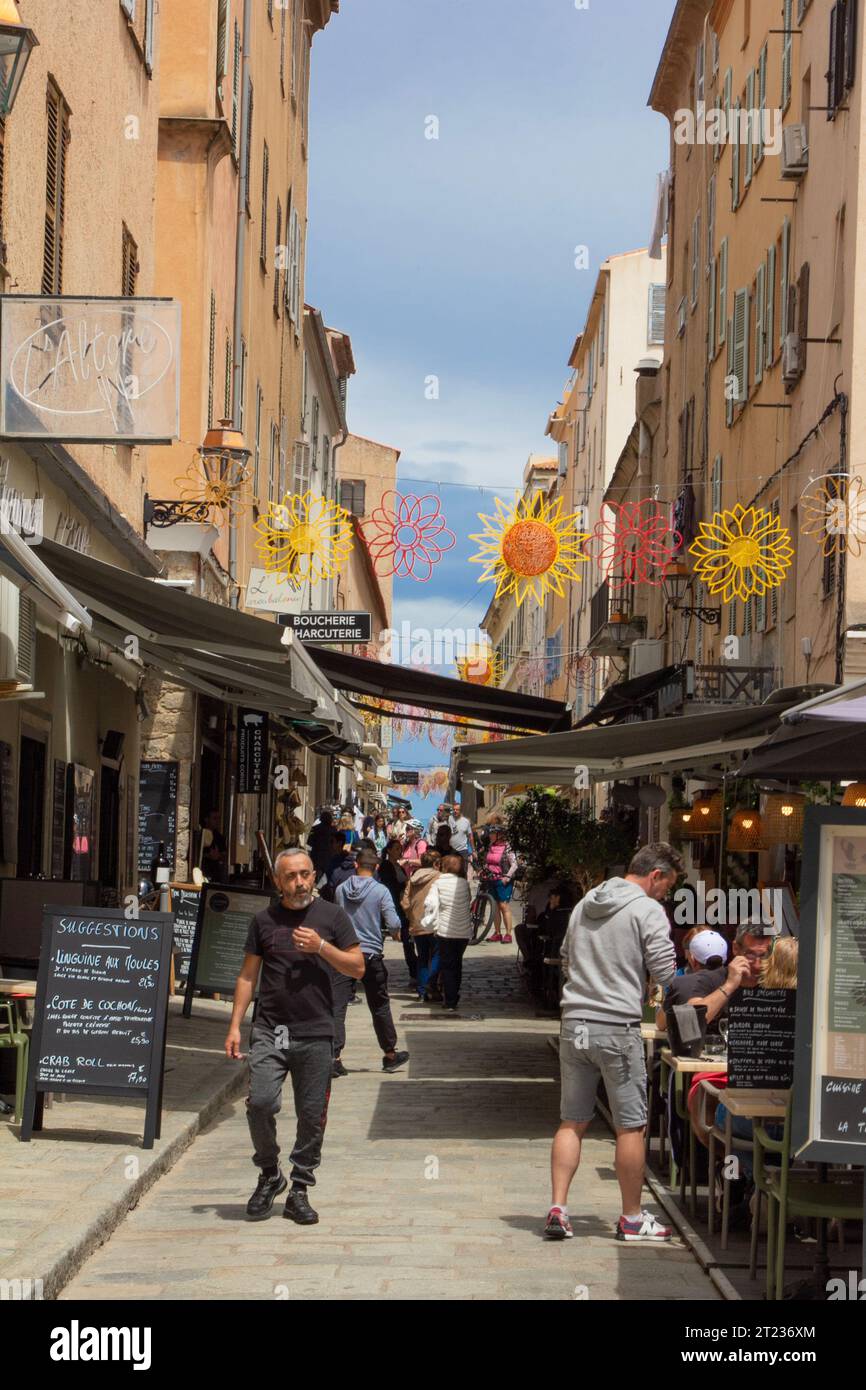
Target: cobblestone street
(434,1181)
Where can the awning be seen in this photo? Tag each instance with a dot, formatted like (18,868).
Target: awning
(217,650)
(622,750)
(20,564)
(410,685)
(626,697)
(812,750)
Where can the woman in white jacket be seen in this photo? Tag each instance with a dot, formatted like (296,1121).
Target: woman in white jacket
(447,913)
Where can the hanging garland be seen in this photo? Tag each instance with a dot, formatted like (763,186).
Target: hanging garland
(304,538)
(742,552)
(638,545)
(529,547)
(407,536)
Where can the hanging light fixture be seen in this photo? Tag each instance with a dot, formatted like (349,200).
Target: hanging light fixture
(682,822)
(744,836)
(707,813)
(783,817)
(17,42)
(855,795)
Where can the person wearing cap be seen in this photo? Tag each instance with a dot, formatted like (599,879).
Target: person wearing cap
(706,972)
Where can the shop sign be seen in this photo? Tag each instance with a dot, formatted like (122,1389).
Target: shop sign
(331,627)
(405,777)
(89,370)
(253,756)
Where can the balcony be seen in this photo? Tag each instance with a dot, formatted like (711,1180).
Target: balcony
(613,627)
(733,685)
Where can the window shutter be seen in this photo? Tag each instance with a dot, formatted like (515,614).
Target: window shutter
(850,44)
(696,259)
(711,313)
(227,401)
(784,281)
(803,311)
(717,484)
(211,361)
(762,104)
(236,88)
(257,454)
(2,167)
(711,221)
(656,317)
(774,593)
(283,48)
(601,330)
(222,44)
(287,278)
(760,312)
(750,143)
(294,42)
(787,49)
(770,326)
(729,372)
(279,233)
(296,278)
(723,290)
(263,239)
(700,67)
(25,658)
(741,344)
(735,159)
(248,152)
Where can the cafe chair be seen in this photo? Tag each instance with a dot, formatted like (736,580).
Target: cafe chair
(730,1146)
(800,1194)
(13,1035)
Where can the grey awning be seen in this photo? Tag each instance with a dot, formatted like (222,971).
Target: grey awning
(206,646)
(811,750)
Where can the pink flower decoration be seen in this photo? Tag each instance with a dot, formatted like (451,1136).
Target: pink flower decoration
(407,536)
(638,546)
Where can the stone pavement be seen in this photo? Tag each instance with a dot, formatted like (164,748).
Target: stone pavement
(62,1193)
(433,1185)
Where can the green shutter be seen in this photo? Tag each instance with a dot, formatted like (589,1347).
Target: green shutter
(711,312)
(771,305)
(735,160)
(750,106)
(723,290)
(783,293)
(760,312)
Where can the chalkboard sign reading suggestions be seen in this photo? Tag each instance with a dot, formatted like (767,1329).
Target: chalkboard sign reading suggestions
(101,999)
(761,1027)
(157,812)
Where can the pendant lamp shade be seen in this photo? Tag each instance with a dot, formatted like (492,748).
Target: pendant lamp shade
(855,795)
(681,822)
(744,836)
(783,818)
(707,812)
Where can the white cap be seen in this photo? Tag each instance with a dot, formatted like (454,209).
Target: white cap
(706,945)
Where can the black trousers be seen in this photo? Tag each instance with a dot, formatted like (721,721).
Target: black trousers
(451,952)
(308,1062)
(375,982)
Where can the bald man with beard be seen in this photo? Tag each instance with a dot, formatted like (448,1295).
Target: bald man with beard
(292,948)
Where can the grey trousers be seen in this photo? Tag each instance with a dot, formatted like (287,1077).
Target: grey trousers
(308,1061)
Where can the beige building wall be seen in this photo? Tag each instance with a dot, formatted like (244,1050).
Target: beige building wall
(366,461)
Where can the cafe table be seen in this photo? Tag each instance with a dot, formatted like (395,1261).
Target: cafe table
(746,1104)
(681,1069)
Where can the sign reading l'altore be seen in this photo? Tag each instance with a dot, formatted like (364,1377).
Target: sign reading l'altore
(89,370)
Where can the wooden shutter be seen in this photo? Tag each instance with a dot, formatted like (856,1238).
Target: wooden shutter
(279,233)
(787,50)
(227,401)
(2,171)
(236,89)
(850,72)
(716,486)
(803,312)
(294,41)
(55,190)
(750,144)
(263,238)
(211,361)
(741,344)
(784,281)
(696,260)
(283,48)
(129,265)
(222,44)
(711,313)
(248,151)
(762,104)
(760,313)
(149,34)
(656,319)
(774,593)
(723,290)
(711,221)
(287,278)
(735,159)
(770,324)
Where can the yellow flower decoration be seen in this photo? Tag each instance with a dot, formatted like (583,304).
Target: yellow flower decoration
(304,538)
(835,513)
(481,666)
(529,547)
(742,552)
(214,484)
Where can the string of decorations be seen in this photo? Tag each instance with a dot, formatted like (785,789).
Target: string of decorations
(304,538)
(407,536)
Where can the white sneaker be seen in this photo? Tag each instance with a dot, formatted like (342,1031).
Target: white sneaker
(648,1227)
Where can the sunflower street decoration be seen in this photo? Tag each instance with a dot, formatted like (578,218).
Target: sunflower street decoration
(304,538)
(481,666)
(637,545)
(529,547)
(742,552)
(834,509)
(407,536)
(215,483)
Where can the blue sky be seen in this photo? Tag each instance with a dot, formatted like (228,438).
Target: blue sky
(454,257)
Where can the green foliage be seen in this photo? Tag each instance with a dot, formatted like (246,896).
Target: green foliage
(554,836)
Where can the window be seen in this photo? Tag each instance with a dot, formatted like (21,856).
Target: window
(57,155)
(783,290)
(222,65)
(242,387)
(762,105)
(696,260)
(211,360)
(656,316)
(770,323)
(141,17)
(272,462)
(700,74)
(2,172)
(711,311)
(714,49)
(774,593)
(301,475)
(257,451)
(294,41)
(236,91)
(227,397)
(601,331)
(553,653)
(803,312)
(740,364)
(842,66)
(760,321)
(283,49)
(263,238)
(304,79)
(735,157)
(326,465)
(716,485)
(353,496)
(750,140)
(248,150)
(787,53)
(711,221)
(129,264)
(277,259)
(723,290)
(314,435)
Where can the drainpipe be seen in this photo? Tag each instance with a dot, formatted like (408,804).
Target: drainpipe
(240,259)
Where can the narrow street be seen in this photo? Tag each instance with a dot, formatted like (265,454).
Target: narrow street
(433,1182)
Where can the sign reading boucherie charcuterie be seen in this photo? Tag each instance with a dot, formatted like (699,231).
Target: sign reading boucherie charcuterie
(89,370)
(330,627)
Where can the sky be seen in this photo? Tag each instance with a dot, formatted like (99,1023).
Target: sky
(454,258)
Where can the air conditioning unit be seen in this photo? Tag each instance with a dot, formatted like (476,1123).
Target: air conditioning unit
(17,635)
(792,359)
(795,152)
(645,655)
(681,318)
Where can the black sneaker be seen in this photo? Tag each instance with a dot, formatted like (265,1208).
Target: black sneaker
(337,1068)
(298,1209)
(267,1191)
(394,1063)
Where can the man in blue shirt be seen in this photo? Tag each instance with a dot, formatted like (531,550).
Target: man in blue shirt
(368,906)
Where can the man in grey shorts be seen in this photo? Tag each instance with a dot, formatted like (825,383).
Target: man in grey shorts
(618,934)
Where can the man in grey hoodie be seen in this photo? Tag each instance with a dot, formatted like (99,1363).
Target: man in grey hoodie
(618,934)
(369,905)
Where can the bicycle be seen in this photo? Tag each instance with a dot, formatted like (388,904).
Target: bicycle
(483,910)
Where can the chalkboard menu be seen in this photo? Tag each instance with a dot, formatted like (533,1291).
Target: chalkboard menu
(221,932)
(253,751)
(8,807)
(843,1109)
(58,820)
(761,1028)
(185,902)
(101,1000)
(157,812)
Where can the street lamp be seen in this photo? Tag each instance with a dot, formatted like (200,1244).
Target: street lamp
(677,587)
(16,44)
(215,481)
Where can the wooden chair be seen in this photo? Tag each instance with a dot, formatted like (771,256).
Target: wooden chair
(13,1035)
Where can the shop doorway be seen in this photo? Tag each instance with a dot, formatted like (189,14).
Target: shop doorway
(31,807)
(109,827)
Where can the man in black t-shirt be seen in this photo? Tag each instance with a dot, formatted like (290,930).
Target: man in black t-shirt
(292,943)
